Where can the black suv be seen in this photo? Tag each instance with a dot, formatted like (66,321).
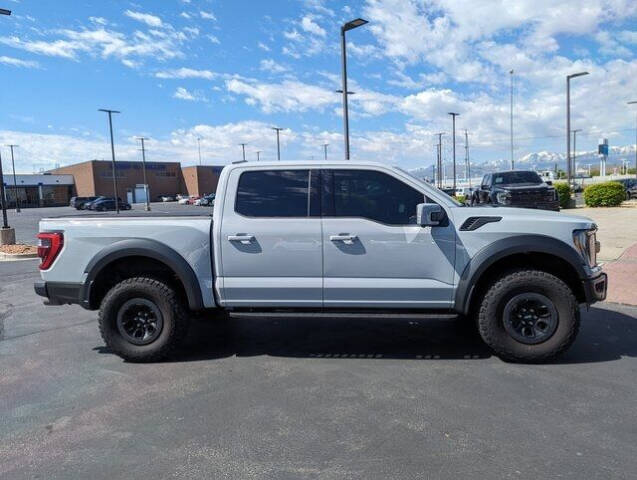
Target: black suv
(79,202)
(516,188)
(630,185)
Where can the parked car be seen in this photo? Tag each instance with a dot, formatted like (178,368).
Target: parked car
(79,202)
(630,185)
(206,200)
(89,205)
(319,238)
(516,188)
(109,204)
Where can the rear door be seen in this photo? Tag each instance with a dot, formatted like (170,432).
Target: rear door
(271,254)
(374,253)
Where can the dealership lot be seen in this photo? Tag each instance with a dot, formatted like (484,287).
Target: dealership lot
(287,398)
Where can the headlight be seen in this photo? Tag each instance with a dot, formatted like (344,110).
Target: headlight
(586,243)
(503,197)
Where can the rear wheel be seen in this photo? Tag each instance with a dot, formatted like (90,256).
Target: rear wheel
(528,316)
(143,319)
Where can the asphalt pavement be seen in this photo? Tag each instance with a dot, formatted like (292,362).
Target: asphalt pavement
(317,399)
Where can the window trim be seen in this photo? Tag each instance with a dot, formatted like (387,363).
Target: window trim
(309,183)
(329,199)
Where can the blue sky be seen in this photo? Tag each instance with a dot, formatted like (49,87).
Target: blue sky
(228,71)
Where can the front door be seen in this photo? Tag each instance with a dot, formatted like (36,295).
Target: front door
(271,254)
(374,253)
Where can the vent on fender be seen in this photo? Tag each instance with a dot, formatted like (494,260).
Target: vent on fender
(473,223)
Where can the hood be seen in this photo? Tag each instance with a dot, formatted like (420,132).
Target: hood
(525,218)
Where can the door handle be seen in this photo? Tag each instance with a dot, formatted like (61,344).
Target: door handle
(245,238)
(343,237)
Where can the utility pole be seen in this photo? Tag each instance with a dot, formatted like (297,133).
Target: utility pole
(243,149)
(7,235)
(110,125)
(467,162)
(568,123)
(199,148)
(258,155)
(633,103)
(278,144)
(439,161)
(453,117)
(348,26)
(325,150)
(574,170)
(147,207)
(15,182)
(511,120)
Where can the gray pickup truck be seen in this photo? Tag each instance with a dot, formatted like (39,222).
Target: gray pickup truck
(321,238)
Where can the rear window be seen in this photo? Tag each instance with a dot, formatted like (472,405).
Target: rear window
(273,193)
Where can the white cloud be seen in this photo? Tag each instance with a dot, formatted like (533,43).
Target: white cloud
(185,72)
(263,47)
(270,65)
(183,94)
(207,15)
(311,26)
(16,62)
(147,18)
(185,15)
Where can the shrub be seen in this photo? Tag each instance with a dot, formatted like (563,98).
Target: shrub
(606,194)
(564,193)
(460,198)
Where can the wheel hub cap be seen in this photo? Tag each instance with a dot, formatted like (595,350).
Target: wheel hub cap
(530,318)
(139,321)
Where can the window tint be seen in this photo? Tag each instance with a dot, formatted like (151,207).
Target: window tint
(273,193)
(373,195)
(517,177)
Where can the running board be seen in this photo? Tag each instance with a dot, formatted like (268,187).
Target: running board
(419,316)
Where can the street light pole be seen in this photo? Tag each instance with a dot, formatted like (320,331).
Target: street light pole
(147,207)
(453,116)
(258,155)
(325,150)
(568,123)
(633,103)
(511,121)
(15,182)
(439,159)
(278,144)
(467,162)
(575,150)
(8,235)
(243,149)
(199,148)
(110,126)
(348,26)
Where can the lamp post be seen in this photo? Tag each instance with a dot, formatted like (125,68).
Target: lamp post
(7,236)
(568,122)
(453,116)
(633,103)
(15,182)
(358,22)
(278,144)
(243,149)
(147,207)
(575,150)
(110,126)
(511,121)
(325,150)
(199,148)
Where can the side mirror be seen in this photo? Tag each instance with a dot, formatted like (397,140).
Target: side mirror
(429,214)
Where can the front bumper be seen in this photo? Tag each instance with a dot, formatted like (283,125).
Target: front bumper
(595,288)
(60,293)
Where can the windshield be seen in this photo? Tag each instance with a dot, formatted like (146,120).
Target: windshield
(448,199)
(507,178)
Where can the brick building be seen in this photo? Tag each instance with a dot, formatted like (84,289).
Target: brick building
(201,179)
(95,177)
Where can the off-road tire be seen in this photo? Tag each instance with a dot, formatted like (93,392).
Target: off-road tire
(491,321)
(174,316)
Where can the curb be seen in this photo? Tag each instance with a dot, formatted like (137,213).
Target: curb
(17,256)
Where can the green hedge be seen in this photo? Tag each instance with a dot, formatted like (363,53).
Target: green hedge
(606,194)
(460,198)
(564,192)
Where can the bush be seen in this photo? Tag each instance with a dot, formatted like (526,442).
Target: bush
(460,198)
(606,194)
(564,193)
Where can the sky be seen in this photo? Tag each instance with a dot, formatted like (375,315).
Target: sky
(228,71)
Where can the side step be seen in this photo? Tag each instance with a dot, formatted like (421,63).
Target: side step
(273,314)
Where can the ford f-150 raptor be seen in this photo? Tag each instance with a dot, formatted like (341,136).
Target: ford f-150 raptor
(325,237)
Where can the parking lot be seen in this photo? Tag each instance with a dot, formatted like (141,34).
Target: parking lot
(306,398)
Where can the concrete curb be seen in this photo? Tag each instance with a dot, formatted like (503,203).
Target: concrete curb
(17,256)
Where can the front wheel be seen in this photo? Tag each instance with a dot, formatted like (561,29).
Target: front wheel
(143,319)
(528,316)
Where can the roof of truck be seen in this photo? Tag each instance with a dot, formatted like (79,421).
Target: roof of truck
(308,163)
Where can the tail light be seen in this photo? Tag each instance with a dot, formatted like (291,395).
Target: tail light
(49,246)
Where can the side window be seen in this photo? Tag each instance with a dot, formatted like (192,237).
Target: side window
(373,195)
(485,182)
(273,193)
